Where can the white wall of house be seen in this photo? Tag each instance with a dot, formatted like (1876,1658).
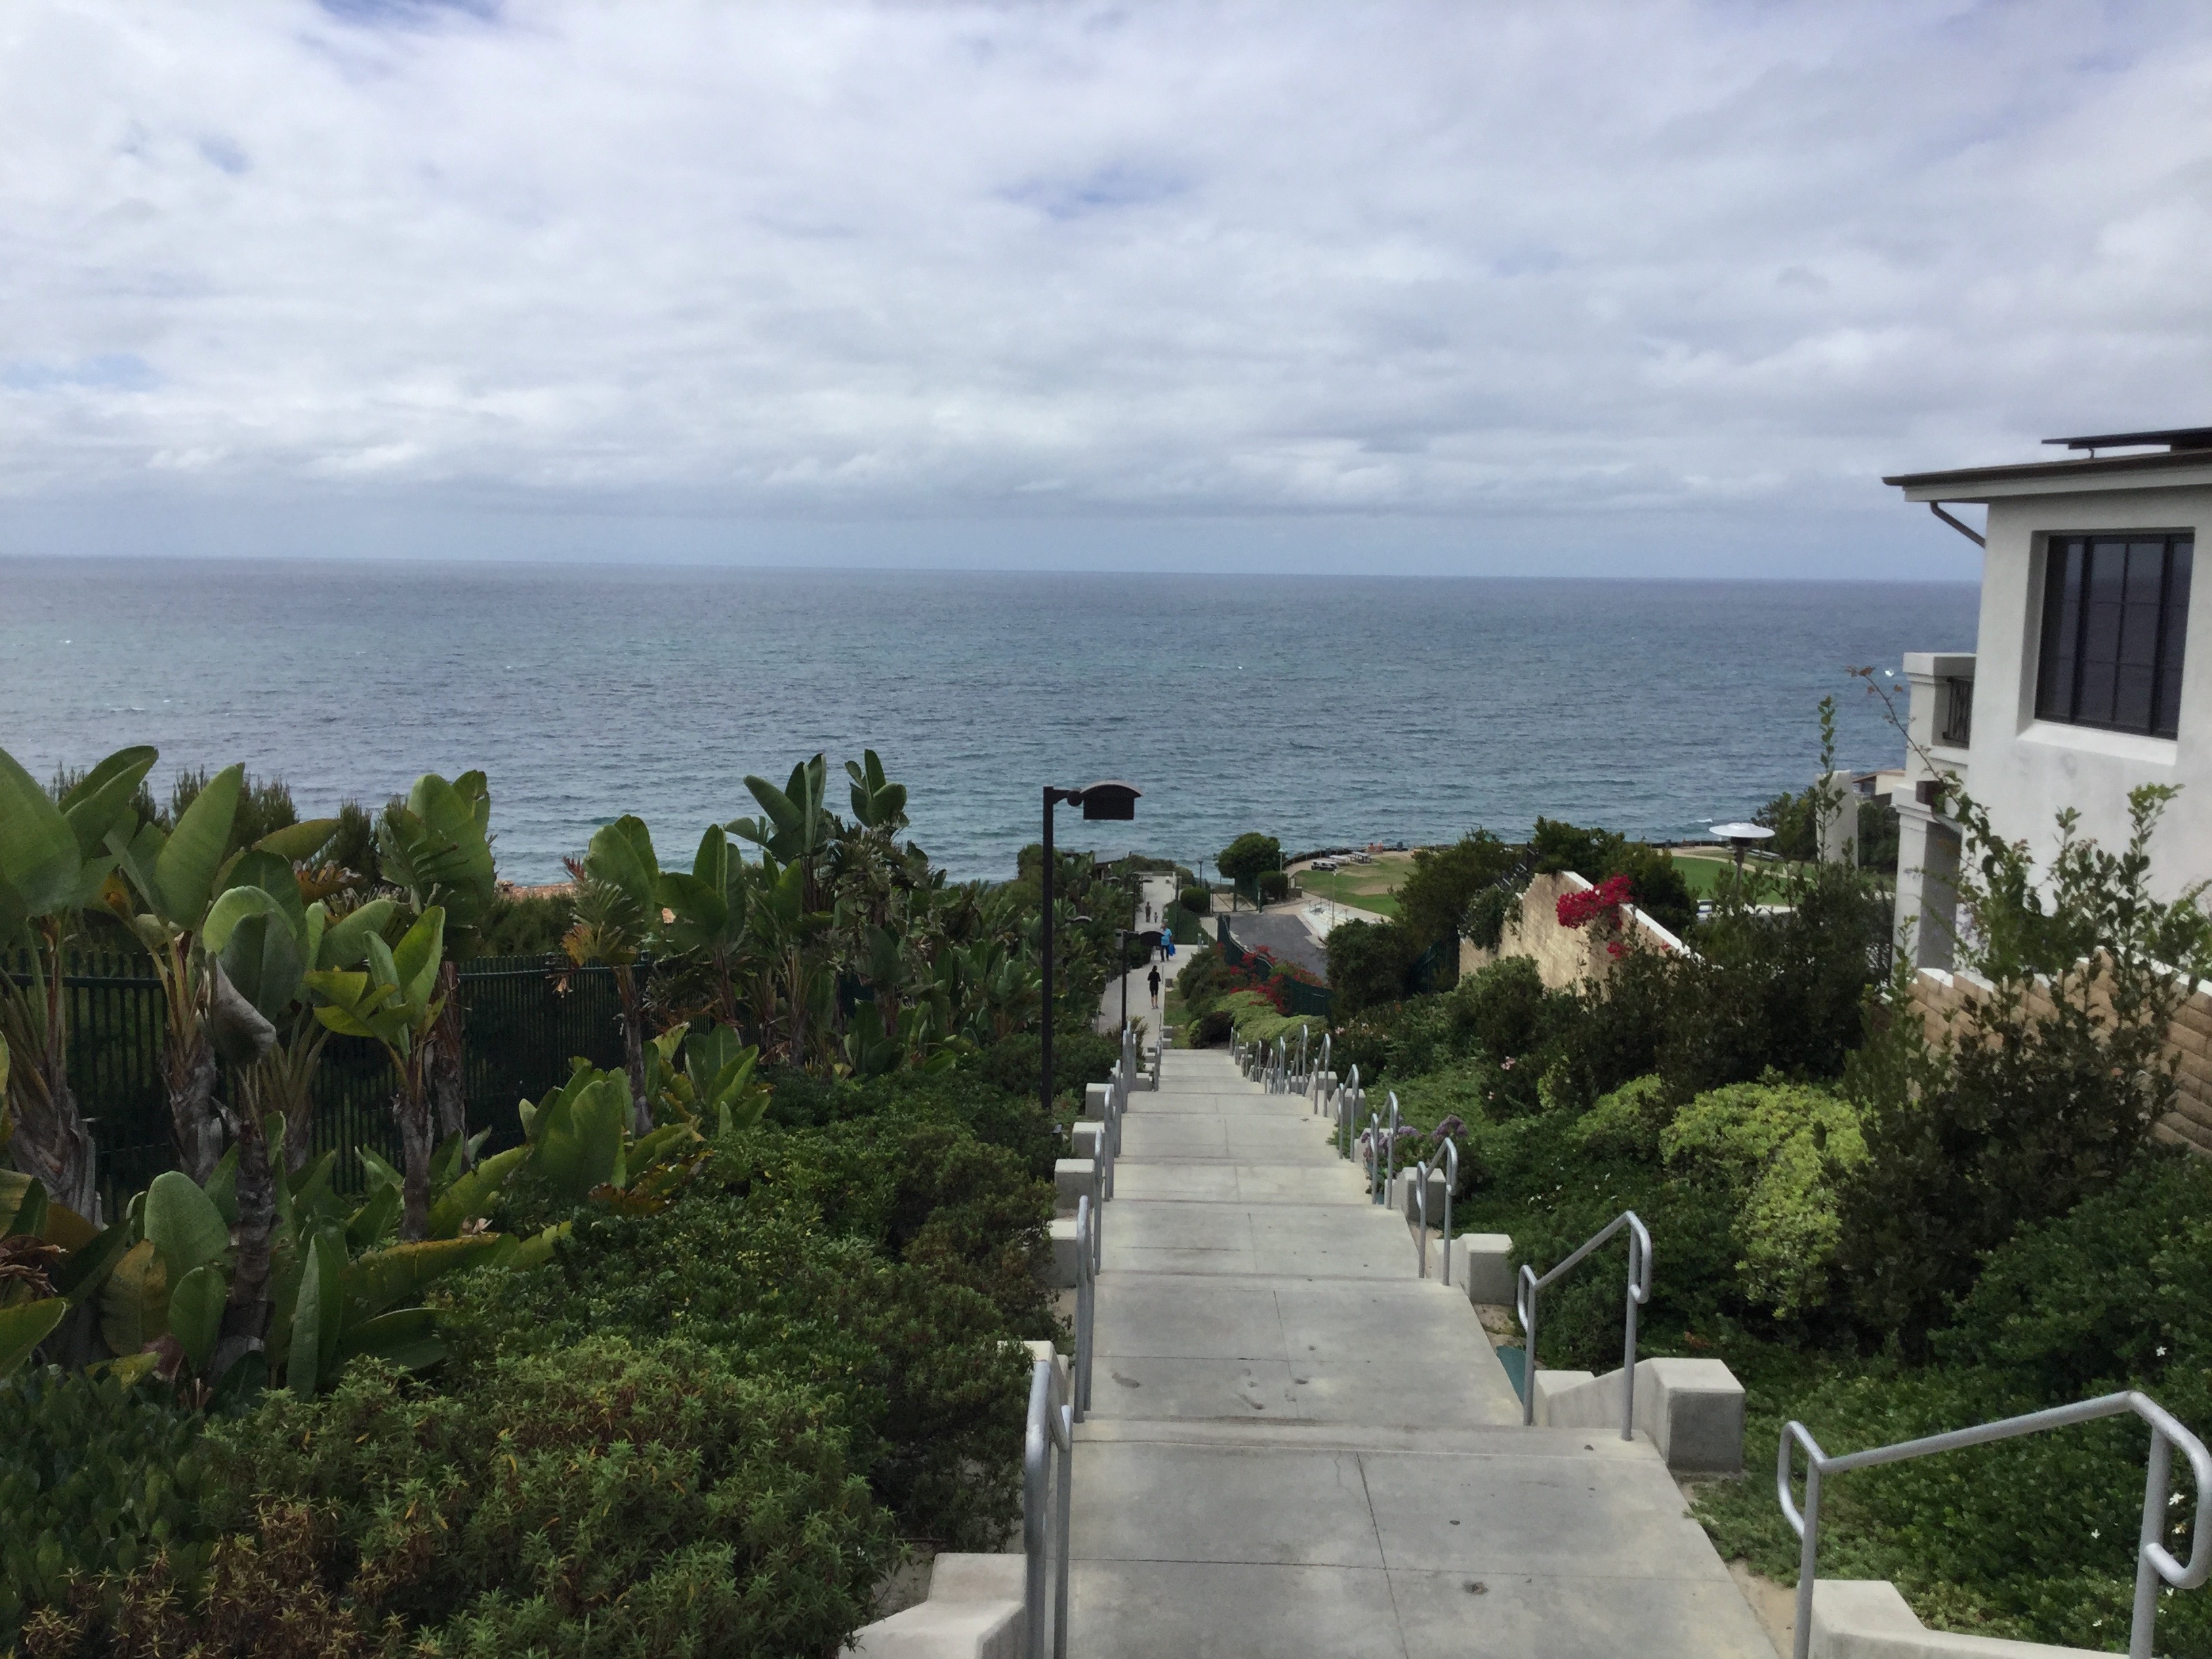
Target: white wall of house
(2026,771)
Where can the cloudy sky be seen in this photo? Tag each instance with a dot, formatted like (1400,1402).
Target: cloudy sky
(1650,287)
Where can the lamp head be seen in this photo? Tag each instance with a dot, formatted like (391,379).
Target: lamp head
(1108,798)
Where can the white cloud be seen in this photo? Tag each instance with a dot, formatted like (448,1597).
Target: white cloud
(1428,259)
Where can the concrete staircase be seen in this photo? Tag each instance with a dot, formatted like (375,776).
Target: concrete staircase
(1296,1446)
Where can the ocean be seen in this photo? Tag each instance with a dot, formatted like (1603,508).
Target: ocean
(1324,710)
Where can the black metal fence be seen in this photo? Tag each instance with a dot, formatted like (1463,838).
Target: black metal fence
(525,1019)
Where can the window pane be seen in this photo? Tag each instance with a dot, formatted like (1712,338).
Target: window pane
(2104,588)
(2062,615)
(2176,623)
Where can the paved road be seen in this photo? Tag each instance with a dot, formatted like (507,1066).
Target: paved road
(1296,1448)
(1283,934)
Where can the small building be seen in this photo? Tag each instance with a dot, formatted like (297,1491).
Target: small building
(2083,683)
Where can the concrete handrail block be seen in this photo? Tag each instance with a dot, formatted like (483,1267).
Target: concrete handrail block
(1073,1179)
(1409,1193)
(974,1611)
(1692,1410)
(1084,1142)
(1867,1618)
(1095,1096)
(1065,1270)
(1486,1260)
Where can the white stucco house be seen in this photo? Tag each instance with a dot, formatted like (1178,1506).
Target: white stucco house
(2091,670)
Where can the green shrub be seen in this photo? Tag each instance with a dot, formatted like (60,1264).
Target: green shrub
(1483,925)
(1079,1056)
(1629,1121)
(1369,962)
(1273,886)
(2112,1292)
(1433,899)
(920,1365)
(1196,900)
(610,1495)
(95,1478)
(1784,1150)
(1244,858)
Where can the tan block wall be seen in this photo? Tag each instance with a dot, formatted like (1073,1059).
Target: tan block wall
(1938,995)
(1564,956)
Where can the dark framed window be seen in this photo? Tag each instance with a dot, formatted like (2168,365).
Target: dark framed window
(2115,612)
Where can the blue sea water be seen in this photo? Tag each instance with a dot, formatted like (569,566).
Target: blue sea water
(1324,710)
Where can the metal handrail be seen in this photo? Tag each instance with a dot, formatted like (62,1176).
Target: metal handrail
(1639,1292)
(2154,1561)
(1086,1299)
(1051,1426)
(1379,1180)
(1350,1097)
(1451,1180)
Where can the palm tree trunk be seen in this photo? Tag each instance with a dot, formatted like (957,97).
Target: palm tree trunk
(411,1108)
(246,1316)
(633,1024)
(448,1060)
(51,1140)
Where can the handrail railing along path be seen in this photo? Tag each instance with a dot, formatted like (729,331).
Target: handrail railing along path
(1051,1427)
(1639,1292)
(1451,1180)
(2154,1561)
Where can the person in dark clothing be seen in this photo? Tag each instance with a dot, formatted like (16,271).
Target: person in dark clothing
(1154,981)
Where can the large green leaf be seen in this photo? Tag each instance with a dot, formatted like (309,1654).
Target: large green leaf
(344,943)
(241,1033)
(101,799)
(89,1265)
(184,874)
(182,1223)
(297,841)
(23,1327)
(702,912)
(407,1337)
(386,1278)
(196,1313)
(38,856)
(261,958)
(470,1194)
(314,1335)
(26,1210)
(134,1301)
(273,876)
(416,958)
(376,1219)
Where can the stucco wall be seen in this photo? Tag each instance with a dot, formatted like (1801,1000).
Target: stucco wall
(1564,956)
(1939,994)
(2024,771)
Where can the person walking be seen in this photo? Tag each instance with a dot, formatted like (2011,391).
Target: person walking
(1154,980)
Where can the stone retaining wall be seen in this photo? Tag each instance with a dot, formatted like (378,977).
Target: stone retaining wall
(1564,956)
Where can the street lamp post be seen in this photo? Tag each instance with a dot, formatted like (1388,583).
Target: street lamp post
(1106,800)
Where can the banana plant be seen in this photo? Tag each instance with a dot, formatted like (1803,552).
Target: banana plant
(170,881)
(877,803)
(617,905)
(437,846)
(787,929)
(53,863)
(263,942)
(706,912)
(394,1002)
(715,1090)
(579,1146)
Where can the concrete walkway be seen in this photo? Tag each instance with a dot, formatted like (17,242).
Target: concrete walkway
(1160,892)
(1299,1447)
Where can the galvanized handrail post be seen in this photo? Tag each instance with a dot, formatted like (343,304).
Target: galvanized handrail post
(1051,1428)
(1639,1292)
(1086,1299)
(1422,1172)
(2154,1561)
(1380,1191)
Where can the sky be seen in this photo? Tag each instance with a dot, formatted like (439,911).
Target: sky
(1590,290)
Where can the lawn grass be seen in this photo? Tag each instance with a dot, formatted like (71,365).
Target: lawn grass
(1366,886)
